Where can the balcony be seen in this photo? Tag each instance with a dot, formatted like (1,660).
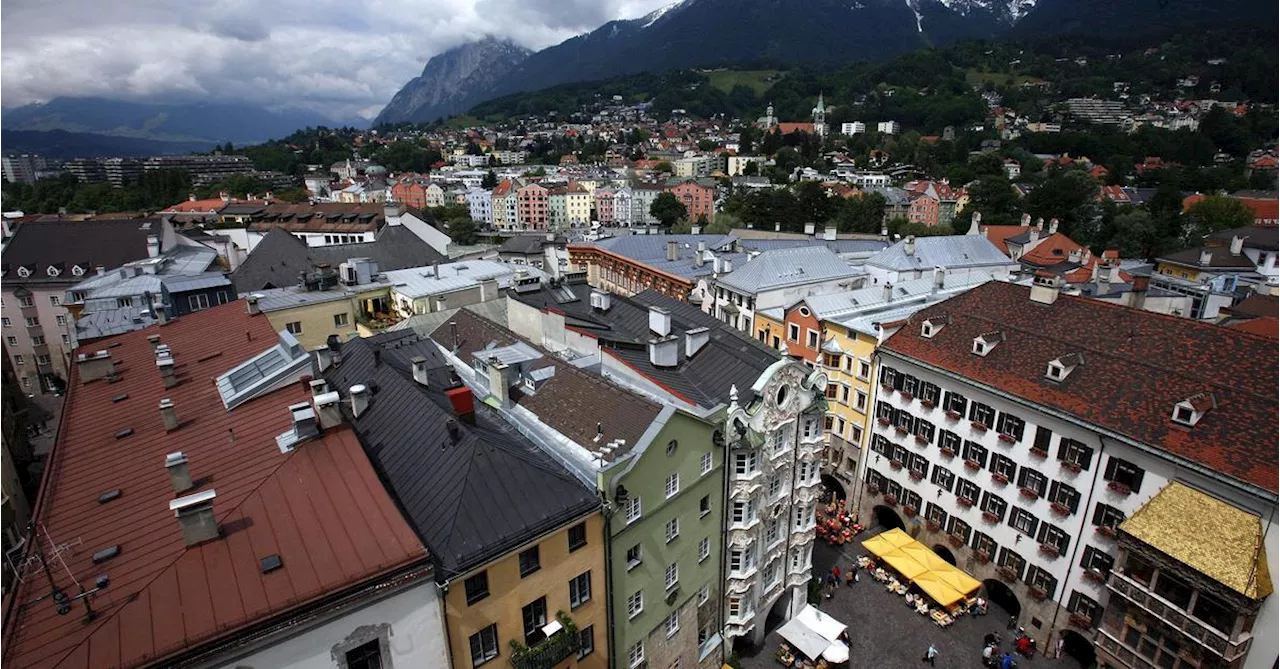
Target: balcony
(552,650)
(1176,618)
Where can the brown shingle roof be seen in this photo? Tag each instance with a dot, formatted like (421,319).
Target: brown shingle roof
(1139,364)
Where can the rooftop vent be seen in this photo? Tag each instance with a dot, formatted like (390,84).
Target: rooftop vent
(360,398)
(664,351)
(601,300)
(420,370)
(251,305)
(106,554)
(195,516)
(694,340)
(270,563)
(659,321)
(109,496)
(1044,288)
(328,409)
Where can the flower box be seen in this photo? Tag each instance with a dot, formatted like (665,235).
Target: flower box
(1008,438)
(979,426)
(928,404)
(1008,574)
(999,478)
(1029,493)
(933,525)
(972,465)
(895,465)
(907,397)
(1049,550)
(922,440)
(890,500)
(983,557)
(1060,509)
(948,452)
(909,511)
(955,540)
(1081,620)
(886,389)
(902,431)
(1039,452)
(1038,593)
(1094,575)
(953,415)
(990,517)
(1106,531)
(884,422)
(873,488)
(916,476)
(964,501)
(1070,466)
(1119,488)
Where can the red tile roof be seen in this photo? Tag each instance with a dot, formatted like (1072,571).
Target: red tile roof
(321,508)
(1137,365)
(998,234)
(1266,327)
(1052,250)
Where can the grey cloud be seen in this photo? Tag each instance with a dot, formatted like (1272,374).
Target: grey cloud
(344,59)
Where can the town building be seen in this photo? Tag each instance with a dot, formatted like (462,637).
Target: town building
(326,223)
(279,258)
(888,127)
(23,168)
(914,258)
(1018,428)
(1260,245)
(674,265)
(480,205)
(543,251)
(642,197)
(577,205)
(697,195)
(1215,277)
(236,520)
(424,290)
(777,278)
(853,128)
(532,207)
(603,200)
(504,207)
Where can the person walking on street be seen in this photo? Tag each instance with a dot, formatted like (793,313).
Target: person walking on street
(1013,622)
(930,654)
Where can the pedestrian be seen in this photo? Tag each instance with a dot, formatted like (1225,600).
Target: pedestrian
(930,654)
(855,575)
(1013,622)
(849,576)
(987,654)
(835,571)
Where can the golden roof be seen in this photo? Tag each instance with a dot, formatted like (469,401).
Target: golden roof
(1206,534)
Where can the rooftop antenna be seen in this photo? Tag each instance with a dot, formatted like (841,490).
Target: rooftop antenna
(62,602)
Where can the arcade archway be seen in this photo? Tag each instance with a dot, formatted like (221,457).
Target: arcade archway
(999,594)
(945,553)
(832,486)
(888,518)
(1078,647)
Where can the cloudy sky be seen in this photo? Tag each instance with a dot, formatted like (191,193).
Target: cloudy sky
(345,58)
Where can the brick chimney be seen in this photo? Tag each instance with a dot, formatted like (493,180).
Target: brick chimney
(176,464)
(195,516)
(169,414)
(420,370)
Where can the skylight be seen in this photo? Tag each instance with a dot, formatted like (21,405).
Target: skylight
(275,367)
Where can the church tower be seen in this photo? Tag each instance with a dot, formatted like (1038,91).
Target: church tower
(769,120)
(820,118)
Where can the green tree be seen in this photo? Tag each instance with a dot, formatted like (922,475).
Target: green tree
(706,145)
(462,231)
(664,166)
(667,209)
(1135,235)
(723,224)
(490,180)
(681,228)
(863,214)
(1067,195)
(994,197)
(1214,213)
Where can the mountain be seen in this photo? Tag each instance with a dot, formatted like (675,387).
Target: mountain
(453,81)
(174,122)
(61,144)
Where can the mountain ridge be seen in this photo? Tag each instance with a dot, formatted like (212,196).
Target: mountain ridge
(452,81)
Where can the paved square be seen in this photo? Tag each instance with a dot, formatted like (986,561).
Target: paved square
(886,634)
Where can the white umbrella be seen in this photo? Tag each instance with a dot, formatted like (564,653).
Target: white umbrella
(836,653)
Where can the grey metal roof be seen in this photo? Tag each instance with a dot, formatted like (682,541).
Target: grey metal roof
(950,251)
(276,299)
(449,277)
(838,246)
(647,248)
(470,499)
(781,268)
(184,283)
(425,324)
(279,257)
(836,305)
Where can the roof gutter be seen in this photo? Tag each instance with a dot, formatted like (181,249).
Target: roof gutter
(1162,454)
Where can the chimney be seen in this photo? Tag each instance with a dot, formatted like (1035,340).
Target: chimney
(169,415)
(153,246)
(600,300)
(318,387)
(664,351)
(392,211)
(673,250)
(810,228)
(884,231)
(420,370)
(777,227)
(1033,234)
(1237,245)
(886,293)
(939,278)
(162,313)
(462,401)
(829,233)
(659,321)
(95,366)
(168,374)
(1044,288)
(1206,257)
(1040,224)
(909,246)
(251,305)
(499,386)
(333,346)
(304,421)
(1074,256)
(100,269)
(1026,220)
(177,465)
(154,340)
(699,258)
(694,340)
(359,399)
(191,197)
(697,229)
(455,433)
(328,408)
(1053,226)
(195,516)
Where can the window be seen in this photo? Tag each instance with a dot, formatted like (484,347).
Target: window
(812,341)
(976,452)
(33,322)
(26,382)
(864,370)
(744,511)
(484,645)
(745,463)
(673,529)
(772,532)
(981,413)
(529,562)
(534,615)
(1031,479)
(66,340)
(577,536)
(294,328)
(966,489)
(43,359)
(672,576)
(634,557)
(477,587)
(55,300)
(340,320)
(793,333)
(1023,521)
(704,549)
(935,513)
(635,604)
(365,656)
(1061,493)
(19,360)
(985,544)
(960,529)
(671,447)
(1012,561)
(580,590)
(632,509)
(37,340)
(955,402)
(855,435)
(1040,578)
(1124,473)
(1073,452)
(6,322)
(673,484)
(673,625)
(707,462)
(704,594)
(1093,558)
(950,441)
(1011,425)
(122,302)
(1082,604)
(735,607)
(1004,466)
(635,654)
(925,430)
(1107,516)
(60,319)
(586,641)
(1051,535)
(859,400)
(1043,436)
(25,302)
(803,516)
(994,505)
(198,302)
(12,341)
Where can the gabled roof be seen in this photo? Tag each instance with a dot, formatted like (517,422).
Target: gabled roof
(782,268)
(1220,257)
(1052,250)
(1266,238)
(279,257)
(471,499)
(950,251)
(320,508)
(1140,364)
(107,243)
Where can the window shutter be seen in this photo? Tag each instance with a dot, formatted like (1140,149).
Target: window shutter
(1110,473)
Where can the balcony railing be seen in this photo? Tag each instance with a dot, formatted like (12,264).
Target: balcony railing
(550,651)
(1174,617)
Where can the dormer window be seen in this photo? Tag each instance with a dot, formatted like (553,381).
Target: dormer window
(1189,411)
(983,343)
(24,272)
(1058,369)
(53,271)
(1056,372)
(931,326)
(77,271)
(1184,414)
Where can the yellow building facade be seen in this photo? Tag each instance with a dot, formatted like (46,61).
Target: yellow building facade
(559,576)
(848,358)
(347,314)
